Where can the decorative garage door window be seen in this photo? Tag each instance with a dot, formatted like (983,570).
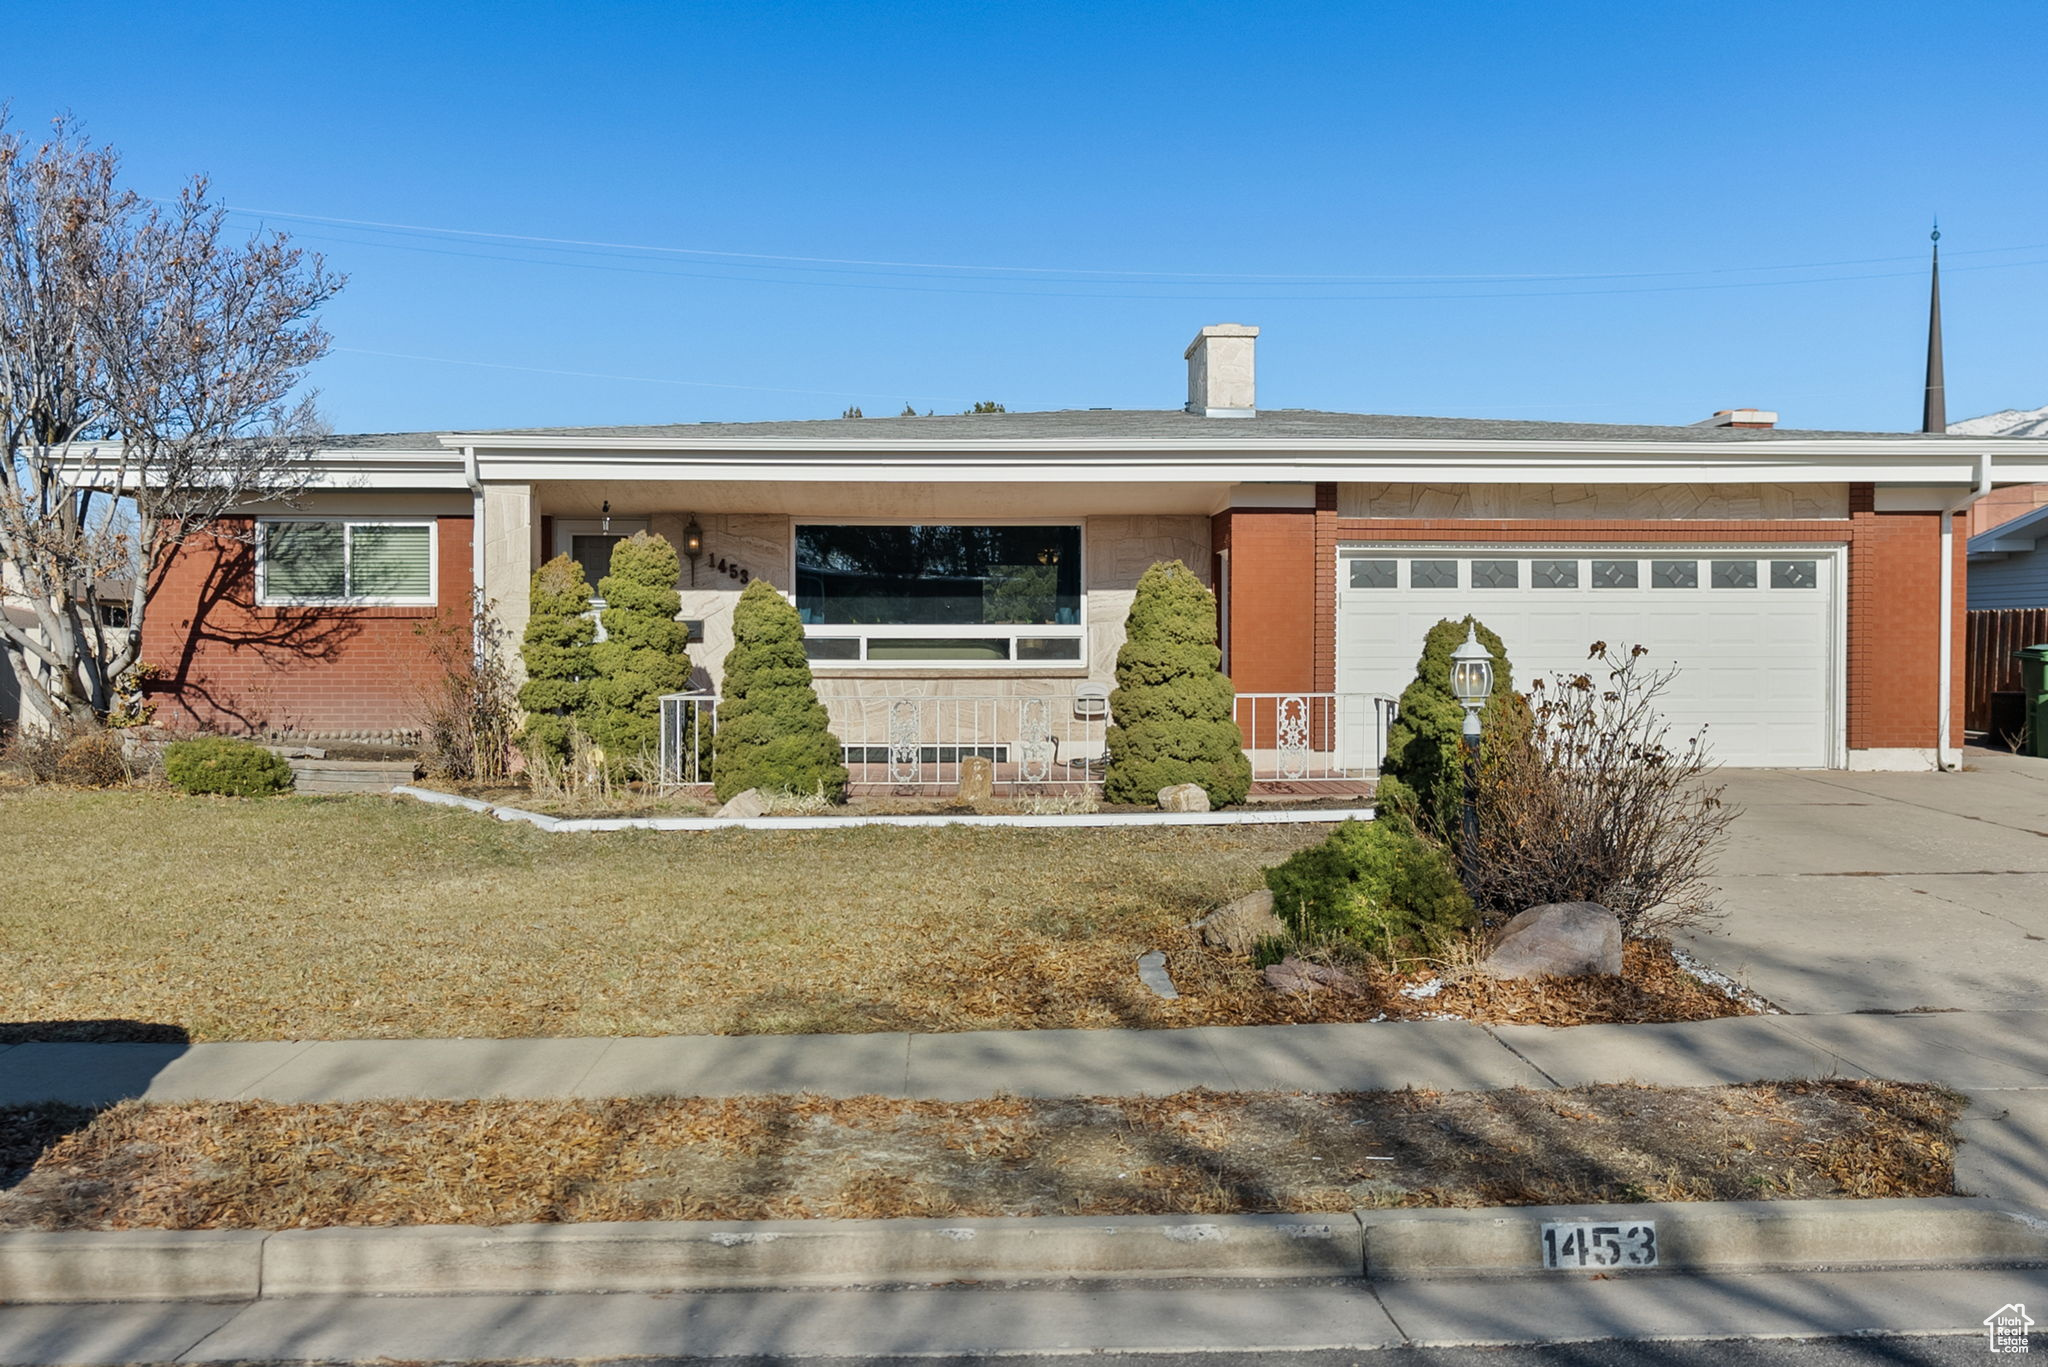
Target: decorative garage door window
(940,594)
(303,561)
(1754,634)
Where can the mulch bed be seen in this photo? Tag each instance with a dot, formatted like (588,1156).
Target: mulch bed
(239,1165)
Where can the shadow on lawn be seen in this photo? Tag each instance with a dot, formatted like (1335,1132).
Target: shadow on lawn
(44,1098)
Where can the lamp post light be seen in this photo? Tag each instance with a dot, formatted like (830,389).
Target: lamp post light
(1472,685)
(693,546)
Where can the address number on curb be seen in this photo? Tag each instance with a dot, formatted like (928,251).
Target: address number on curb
(1582,1244)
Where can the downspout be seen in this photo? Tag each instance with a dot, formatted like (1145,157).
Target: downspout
(476,543)
(1948,608)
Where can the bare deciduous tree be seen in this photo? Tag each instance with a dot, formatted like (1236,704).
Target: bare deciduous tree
(148,365)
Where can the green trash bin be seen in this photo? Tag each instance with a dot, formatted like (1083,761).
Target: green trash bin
(2034,688)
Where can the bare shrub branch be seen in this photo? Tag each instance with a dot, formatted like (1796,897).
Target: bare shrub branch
(1597,802)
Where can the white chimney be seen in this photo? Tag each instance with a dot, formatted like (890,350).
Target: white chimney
(1220,379)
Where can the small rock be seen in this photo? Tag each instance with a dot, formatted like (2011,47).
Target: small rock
(1298,975)
(744,805)
(1152,973)
(977,779)
(1238,926)
(1184,797)
(1558,939)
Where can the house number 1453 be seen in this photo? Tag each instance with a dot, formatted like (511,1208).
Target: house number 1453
(730,570)
(1576,1245)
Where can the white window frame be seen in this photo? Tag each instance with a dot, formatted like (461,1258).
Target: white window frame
(864,634)
(266,599)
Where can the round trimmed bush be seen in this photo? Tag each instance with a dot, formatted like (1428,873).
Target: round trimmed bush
(773,733)
(222,764)
(1373,886)
(1171,710)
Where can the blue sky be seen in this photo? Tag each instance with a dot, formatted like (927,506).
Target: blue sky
(1567,210)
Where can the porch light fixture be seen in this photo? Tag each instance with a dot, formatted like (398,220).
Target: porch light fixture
(1471,684)
(607,528)
(693,546)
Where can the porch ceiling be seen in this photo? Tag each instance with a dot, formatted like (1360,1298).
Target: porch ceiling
(586,498)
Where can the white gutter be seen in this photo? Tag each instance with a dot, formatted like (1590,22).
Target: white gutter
(475,481)
(1942,760)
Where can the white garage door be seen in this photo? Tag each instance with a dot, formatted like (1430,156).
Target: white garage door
(1751,632)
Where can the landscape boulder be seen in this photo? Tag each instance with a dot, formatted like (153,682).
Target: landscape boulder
(1558,939)
(742,806)
(1184,797)
(1237,926)
(1300,976)
(977,779)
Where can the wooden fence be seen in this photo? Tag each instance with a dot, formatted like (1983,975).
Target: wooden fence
(1993,635)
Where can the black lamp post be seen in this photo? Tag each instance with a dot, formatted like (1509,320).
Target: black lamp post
(1471,684)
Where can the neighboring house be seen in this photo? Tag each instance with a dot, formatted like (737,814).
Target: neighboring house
(2003,505)
(20,699)
(2009,563)
(1796,578)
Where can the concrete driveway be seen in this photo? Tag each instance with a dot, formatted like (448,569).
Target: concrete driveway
(1861,892)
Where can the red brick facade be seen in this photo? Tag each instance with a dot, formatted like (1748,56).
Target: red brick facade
(1283,573)
(232,666)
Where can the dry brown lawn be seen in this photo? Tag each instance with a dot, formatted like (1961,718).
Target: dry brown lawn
(265,1166)
(136,914)
(325,918)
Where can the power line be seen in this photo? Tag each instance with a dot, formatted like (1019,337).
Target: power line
(1033,293)
(772,260)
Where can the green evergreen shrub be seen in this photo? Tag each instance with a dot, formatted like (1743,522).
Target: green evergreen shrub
(222,764)
(556,651)
(1373,886)
(772,730)
(1171,709)
(1422,778)
(644,654)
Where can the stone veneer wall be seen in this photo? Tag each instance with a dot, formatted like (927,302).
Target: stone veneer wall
(1630,502)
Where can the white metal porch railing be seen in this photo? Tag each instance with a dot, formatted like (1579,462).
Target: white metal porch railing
(688,722)
(1042,743)
(1314,737)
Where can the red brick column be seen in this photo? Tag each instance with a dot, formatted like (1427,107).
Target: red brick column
(1894,627)
(1276,609)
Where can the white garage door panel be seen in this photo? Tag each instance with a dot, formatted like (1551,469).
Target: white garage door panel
(1755,665)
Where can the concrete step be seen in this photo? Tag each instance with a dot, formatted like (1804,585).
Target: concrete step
(350,775)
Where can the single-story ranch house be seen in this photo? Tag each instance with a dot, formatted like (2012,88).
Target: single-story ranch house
(1807,585)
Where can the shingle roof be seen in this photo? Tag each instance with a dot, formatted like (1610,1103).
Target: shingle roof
(1277,425)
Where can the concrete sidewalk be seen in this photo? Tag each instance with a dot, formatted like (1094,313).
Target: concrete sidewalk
(1975,1050)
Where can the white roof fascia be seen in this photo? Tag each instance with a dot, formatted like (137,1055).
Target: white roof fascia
(1480,466)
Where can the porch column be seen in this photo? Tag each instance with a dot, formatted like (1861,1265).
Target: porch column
(511,535)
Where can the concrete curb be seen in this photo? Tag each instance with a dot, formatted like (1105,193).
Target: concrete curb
(1319,816)
(1394,1245)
